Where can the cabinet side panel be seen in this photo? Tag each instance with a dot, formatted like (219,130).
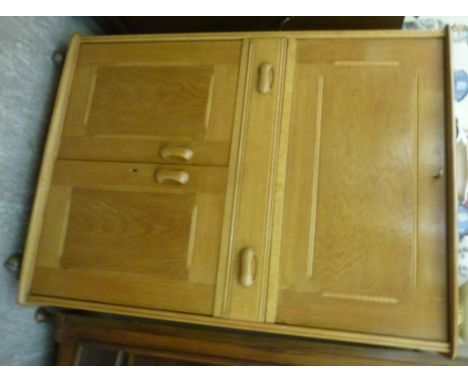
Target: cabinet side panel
(45,175)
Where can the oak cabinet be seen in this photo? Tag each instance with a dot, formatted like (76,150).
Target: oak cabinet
(296,182)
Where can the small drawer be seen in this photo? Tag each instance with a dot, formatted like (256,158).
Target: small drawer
(146,151)
(149,177)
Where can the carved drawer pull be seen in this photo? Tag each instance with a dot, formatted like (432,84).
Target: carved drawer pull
(172,176)
(265,79)
(440,174)
(184,153)
(247,267)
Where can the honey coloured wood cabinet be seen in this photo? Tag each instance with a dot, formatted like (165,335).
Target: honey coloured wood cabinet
(288,182)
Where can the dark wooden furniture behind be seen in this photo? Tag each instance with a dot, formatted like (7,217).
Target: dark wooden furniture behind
(192,24)
(87,340)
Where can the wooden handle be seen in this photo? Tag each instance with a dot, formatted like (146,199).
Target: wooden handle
(265,79)
(247,267)
(440,174)
(172,176)
(184,153)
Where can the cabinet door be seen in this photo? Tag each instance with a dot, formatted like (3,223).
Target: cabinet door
(132,234)
(130,100)
(364,230)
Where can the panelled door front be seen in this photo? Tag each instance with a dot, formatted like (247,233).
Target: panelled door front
(364,230)
(143,101)
(130,234)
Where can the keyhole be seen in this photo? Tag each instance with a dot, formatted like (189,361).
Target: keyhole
(133,169)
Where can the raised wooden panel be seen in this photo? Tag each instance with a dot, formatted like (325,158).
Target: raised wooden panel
(361,210)
(130,100)
(364,225)
(369,51)
(113,234)
(164,52)
(150,101)
(58,209)
(131,232)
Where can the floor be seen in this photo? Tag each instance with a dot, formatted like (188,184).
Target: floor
(28,80)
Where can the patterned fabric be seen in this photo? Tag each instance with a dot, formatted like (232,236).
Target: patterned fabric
(463,247)
(416,22)
(461,85)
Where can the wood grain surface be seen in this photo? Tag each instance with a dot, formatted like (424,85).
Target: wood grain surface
(324,166)
(365,224)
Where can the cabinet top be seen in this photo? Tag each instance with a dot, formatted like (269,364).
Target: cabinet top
(397,33)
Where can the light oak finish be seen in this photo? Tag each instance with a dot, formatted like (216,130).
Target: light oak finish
(183,153)
(144,96)
(278,203)
(251,226)
(137,176)
(266,78)
(347,336)
(45,174)
(169,176)
(115,150)
(247,267)
(378,34)
(115,235)
(232,193)
(261,181)
(365,229)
